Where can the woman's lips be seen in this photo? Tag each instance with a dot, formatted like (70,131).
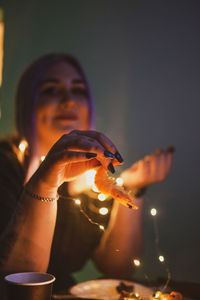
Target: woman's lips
(66,117)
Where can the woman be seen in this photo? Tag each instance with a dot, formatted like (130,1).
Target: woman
(54,114)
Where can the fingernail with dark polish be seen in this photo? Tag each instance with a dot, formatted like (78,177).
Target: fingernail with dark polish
(90,155)
(108,154)
(118,157)
(171,149)
(111,168)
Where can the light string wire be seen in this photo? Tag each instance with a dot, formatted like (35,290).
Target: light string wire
(90,220)
(78,203)
(157,248)
(136,262)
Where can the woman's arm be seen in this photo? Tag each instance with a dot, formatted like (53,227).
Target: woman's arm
(32,229)
(34,221)
(123,240)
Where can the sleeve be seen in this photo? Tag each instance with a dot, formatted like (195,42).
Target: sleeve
(11,184)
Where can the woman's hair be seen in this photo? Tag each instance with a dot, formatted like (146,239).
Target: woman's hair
(28,90)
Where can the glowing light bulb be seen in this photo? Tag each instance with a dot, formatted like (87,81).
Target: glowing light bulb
(153,211)
(103,211)
(119,181)
(136,262)
(23,145)
(101,227)
(77,202)
(158,294)
(161,258)
(101,197)
(137,295)
(42,157)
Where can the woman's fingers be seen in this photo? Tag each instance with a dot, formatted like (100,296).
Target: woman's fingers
(169,154)
(161,162)
(78,141)
(66,156)
(111,150)
(154,167)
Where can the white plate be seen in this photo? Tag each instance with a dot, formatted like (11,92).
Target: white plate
(105,289)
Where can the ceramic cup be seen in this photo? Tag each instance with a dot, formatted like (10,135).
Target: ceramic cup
(29,286)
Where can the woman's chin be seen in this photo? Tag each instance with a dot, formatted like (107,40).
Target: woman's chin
(66,128)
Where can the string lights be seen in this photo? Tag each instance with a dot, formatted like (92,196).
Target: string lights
(23,145)
(153,212)
(90,175)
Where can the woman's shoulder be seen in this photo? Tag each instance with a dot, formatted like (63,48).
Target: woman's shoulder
(9,160)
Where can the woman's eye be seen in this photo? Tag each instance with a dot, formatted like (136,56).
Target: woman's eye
(51,91)
(80,91)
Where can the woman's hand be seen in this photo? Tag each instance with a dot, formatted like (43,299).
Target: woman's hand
(73,154)
(153,168)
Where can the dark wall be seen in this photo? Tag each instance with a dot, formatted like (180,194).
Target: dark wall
(142,59)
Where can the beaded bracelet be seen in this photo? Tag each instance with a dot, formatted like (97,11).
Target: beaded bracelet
(43,199)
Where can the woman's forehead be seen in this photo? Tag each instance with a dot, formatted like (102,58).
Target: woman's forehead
(64,70)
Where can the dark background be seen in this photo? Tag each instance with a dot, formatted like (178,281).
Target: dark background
(143,63)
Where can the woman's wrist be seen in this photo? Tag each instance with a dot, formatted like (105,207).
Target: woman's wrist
(40,188)
(40,197)
(137,192)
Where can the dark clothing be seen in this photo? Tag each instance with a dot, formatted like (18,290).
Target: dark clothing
(75,238)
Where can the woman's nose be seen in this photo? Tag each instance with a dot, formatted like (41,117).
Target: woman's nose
(66,98)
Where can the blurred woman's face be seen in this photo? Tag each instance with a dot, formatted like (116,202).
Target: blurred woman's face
(62,104)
